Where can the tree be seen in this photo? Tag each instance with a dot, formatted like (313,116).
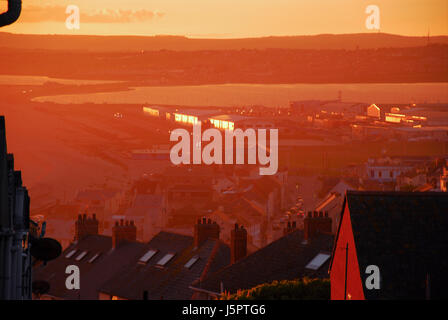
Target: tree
(300,289)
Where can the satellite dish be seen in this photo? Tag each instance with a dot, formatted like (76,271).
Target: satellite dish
(45,249)
(40,287)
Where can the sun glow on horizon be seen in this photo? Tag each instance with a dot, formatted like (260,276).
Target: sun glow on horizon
(232,18)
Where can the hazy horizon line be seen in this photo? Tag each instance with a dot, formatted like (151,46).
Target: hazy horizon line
(204,37)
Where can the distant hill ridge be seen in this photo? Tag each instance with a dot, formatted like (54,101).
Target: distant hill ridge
(179,43)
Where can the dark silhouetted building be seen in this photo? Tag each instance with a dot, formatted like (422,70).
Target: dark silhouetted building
(121,268)
(404,234)
(15,258)
(293,256)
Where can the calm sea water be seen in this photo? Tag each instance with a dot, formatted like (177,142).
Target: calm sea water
(40,80)
(268,95)
(276,95)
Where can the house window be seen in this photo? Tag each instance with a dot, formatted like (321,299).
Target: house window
(372,173)
(379,174)
(391,174)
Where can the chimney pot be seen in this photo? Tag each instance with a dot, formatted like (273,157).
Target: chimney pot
(312,227)
(123,231)
(238,244)
(204,231)
(85,226)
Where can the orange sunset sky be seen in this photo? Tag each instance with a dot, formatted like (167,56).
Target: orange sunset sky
(231,18)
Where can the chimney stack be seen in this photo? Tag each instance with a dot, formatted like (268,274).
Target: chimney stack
(290,227)
(85,226)
(123,231)
(238,244)
(315,223)
(205,229)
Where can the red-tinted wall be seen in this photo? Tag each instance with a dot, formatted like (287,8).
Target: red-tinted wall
(337,275)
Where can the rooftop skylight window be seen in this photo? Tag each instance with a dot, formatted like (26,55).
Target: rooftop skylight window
(147,256)
(91,260)
(71,253)
(191,262)
(318,261)
(81,256)
(162,262)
